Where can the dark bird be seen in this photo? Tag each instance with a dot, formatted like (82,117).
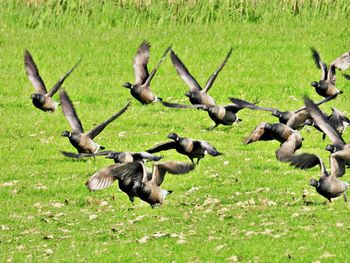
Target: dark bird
(43,99)
(135,180)
(191,148)
(295,119)
(141,89)
(196,94)
(326,85)
(224,115)
(329,186)
(290,139)
(83,142)
(118,157)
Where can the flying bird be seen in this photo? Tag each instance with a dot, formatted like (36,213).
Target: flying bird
(83,142)
(141,90)
(196,94)
(135,180)
(186,146)
(326,85)
(290,139)
(41,98)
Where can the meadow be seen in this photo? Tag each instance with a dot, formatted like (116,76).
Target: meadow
(241,206)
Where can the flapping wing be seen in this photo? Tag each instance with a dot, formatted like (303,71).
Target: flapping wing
(338,120)
(184,73)
(160,169)
(304,160)
(162,147)
(319,103)
(70,113)
(289,147)
(260,133)
(33,73)
(106,176)
(297,120)
(342,62)
(153,72)
(139,156)
(346,76)
(99,128)
(216,73)
(322,122)
(84,155)
(248,105)
(321,65)
(140,63)
(338,163)
(184,106)
(60,82)
(209,148)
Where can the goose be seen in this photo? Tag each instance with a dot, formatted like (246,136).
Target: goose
(141,90)
(135,180)
(83,142)
(290,139)
(41,98)
(326,85)
(295,119)
(186,146)
(196,94)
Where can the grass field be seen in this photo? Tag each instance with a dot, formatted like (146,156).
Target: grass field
(241,206)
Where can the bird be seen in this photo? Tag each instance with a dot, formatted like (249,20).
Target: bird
(291,140)
(41,98)
(326,85)
(83,142)
(224,115)
(196,94)
(118,157)
(135,180)
(338,120)
(329,186)
(141,90)
(295,119)
(186,146)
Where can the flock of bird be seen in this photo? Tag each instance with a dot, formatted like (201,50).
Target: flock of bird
(129,168)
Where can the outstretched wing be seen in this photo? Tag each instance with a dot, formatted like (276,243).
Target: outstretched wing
(321,65)
(304,160)
(289,147)
(216,72)
(140,63)
(209,148)
(139,156)
(341,63)
(185,106)
(184,73)
(162,147)
(83,155)
(33,73)
(319,103)
(70,113)
(260,133)
(160,169)
(99,128)
(322,122)
(60,82)
(153,72)
(248,105)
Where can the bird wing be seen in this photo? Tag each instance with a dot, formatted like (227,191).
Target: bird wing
(338,163)
(319,103)
(259,133)
(106,176)
(184,106)
(99,128)
(297,120)
(153,72)
(288,148)
(346,76)
(322,122)
(70,113)
(342,62)
(337,119)
(60,82)
(145,156)
(140,63)
(162,147)
(249,105)
(83,155)
(209,148)
(216,73)
(160,169)
(33,73)
(233,108)
(184,73)
(319,63)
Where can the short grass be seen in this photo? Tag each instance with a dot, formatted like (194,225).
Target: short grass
(242,206)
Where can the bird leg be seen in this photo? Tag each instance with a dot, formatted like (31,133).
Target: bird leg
(345,197)
(213,127)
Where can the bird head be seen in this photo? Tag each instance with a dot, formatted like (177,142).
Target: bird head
(315,84)
(38,97)
(189,94)
(331,148)
(173,136)
(127,85)
(314,183)
(66,134)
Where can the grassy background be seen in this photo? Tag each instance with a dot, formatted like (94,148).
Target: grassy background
(243,205)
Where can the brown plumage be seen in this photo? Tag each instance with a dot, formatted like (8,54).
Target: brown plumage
(290,139)
(326,85)
(83,142)
(141,90)
(196,94)
(135,180)
(41,98)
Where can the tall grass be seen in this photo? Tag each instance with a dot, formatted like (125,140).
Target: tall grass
(114,13)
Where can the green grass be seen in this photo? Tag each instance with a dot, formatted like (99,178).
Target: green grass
(250,210)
